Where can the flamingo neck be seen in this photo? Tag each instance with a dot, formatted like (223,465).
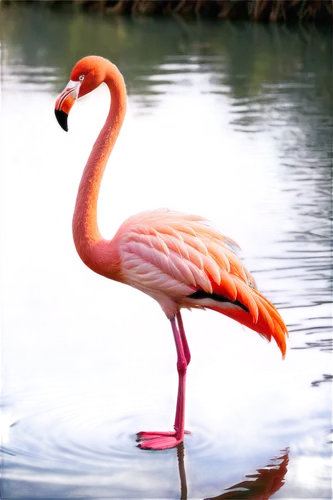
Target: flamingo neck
(96,252)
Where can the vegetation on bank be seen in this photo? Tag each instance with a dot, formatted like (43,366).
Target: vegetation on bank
(257,10)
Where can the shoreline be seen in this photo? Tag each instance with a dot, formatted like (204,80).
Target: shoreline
(319,11)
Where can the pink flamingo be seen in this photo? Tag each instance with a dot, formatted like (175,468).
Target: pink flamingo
(176,258)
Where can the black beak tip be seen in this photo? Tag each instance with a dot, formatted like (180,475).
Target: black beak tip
(62,117)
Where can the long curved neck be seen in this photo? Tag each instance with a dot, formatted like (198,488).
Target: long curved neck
(90,245)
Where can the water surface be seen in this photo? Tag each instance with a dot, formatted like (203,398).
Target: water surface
(231,121)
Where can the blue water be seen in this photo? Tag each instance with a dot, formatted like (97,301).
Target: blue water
(228,120)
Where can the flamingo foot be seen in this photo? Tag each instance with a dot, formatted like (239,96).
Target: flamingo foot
(142,435)
(159,440)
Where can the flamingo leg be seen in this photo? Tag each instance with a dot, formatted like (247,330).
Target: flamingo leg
(183,337)
(188,356)
(164,440)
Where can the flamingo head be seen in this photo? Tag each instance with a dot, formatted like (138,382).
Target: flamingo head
(86,76)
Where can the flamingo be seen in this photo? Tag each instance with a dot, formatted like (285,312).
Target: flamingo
(176,258)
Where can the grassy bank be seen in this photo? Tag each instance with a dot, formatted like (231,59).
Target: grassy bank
(257,10)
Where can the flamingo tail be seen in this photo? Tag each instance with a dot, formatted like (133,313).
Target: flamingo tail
(263,318)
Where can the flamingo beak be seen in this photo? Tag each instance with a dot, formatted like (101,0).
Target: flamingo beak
(65,102)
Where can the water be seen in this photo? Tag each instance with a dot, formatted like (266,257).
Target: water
(231,121)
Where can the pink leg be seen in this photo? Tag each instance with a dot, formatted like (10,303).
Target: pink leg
(183,337)
(187,355)
(164,440)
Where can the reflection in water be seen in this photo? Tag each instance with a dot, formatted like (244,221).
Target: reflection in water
(182,473)
(259,486)
(60,445)
(252,97)
(262,485)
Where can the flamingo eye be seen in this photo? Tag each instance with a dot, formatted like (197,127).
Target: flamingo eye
(81,78)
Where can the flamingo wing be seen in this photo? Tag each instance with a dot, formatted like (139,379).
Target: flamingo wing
(162,249)
(181,261)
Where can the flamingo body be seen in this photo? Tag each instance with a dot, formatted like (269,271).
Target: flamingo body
(178,259)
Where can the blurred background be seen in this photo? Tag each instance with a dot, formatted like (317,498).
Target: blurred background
(227,118)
